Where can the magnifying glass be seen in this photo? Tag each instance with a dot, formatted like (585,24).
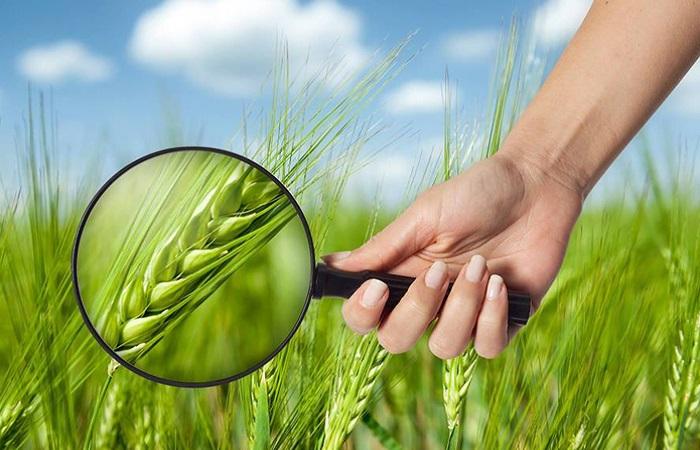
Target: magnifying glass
(194,267)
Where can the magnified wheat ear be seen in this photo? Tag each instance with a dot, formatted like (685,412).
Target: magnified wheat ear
(182,261)
(14,421)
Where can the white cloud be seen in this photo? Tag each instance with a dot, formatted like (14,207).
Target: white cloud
(387,174)
(415,97)
(555,21)
(230,46)
(63,61)
(686,98)
(471,45)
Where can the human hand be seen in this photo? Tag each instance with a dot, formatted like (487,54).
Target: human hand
(496,221)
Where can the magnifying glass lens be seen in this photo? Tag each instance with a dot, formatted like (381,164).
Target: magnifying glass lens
(193,266)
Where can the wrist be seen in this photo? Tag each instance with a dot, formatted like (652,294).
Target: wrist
(547,183)
(541,163)
(566,149)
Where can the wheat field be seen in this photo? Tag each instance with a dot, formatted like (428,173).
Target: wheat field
(611,360)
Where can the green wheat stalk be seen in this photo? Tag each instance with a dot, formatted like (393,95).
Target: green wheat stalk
(352,391)
(457,376)
(108,432)
(14,422)
(682,401)
(146,431)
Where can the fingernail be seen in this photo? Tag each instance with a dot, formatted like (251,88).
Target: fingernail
(436,275)
(476,268)
(494,287)
(334,257)
(373,293)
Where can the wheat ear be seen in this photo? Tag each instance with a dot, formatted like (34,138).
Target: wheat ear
(682,402)
(457,376)
(352,391)
(217,230)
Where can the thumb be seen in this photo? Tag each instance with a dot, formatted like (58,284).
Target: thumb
(400,239)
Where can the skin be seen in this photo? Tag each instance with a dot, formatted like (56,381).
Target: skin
(515,210)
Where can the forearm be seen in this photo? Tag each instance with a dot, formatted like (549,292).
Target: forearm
(622,63)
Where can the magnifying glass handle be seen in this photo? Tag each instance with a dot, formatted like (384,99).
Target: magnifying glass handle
(330,282)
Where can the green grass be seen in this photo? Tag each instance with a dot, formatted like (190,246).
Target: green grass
(610,360)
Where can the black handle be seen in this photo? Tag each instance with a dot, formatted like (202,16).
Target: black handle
(332,282)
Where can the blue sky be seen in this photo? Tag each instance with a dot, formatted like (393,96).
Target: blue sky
(112,66)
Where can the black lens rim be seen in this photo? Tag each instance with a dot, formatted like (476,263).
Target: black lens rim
(76,286)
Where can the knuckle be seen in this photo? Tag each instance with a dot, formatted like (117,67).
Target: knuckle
(466,298)
(360,330)
(421,306)
(358,327)
(357,323)
(388,341)
(443,350)
(363,326)
(347,314)
(489,322)
(345,311)
(488,351)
